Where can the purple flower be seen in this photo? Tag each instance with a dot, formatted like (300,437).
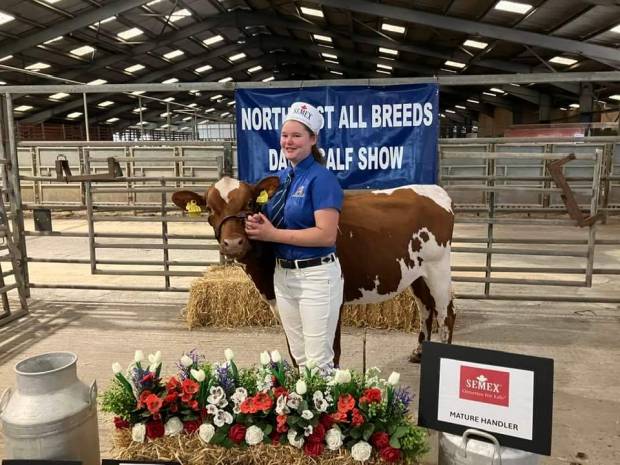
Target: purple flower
(402,399)
(183,372)
(226,381)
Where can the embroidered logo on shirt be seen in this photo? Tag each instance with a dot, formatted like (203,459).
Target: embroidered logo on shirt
(299,192)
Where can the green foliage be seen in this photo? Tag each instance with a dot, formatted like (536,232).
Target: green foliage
(413,441)
(247,380)
(117,400)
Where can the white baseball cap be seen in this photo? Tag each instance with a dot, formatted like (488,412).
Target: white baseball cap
(306,114)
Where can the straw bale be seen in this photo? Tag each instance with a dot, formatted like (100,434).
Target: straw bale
(189,450)
(226,297)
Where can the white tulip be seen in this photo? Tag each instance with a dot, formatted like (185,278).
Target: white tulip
(138,432)
(342,376)
(310,364)
(206,432)
(117,368)
(229,354)
(254,435)
(276,357)
(361,451)
(186,361)
(173,427)
(138,356)
(301,388)
(155,359)
(394,378)
(264,358)
(198,375)
(333,438)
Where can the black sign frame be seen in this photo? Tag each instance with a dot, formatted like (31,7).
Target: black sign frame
(433,352)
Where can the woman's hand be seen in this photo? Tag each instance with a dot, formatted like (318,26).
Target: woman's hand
(259,228)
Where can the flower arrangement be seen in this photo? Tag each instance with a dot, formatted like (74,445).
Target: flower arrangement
(317,412)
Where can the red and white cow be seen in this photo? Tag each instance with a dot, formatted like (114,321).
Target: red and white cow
(387,240)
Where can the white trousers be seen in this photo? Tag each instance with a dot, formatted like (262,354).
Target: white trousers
(308,302)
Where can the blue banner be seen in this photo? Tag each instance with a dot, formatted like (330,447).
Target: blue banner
(377,137)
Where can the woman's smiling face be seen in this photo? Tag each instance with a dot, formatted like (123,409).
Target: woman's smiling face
(296,141)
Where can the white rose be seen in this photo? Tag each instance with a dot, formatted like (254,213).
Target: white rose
(300,387)
(229,354)
(198,375)
(361,451)
(333,438)
(117,368)
(276,357)
(307,415)
(138,432)
(291,439)
(394,378)
(254,435)
(173,427)
(138,356)
(206,432)
(186,361)
(264,358)
(342,376)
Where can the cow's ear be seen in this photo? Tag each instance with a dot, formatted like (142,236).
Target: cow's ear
(269,184)
(182,198)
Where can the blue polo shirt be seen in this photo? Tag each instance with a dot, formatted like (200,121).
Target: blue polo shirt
(313,188)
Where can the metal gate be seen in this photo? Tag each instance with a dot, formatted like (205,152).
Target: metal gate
(500,186)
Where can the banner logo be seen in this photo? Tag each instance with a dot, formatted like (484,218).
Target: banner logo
(483,385)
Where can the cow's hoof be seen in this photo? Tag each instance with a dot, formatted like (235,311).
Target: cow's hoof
(415,357)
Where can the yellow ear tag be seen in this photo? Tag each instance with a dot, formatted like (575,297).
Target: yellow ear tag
(192,208)
(262,198)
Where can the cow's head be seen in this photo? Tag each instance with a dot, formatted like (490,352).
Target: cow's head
(228,203)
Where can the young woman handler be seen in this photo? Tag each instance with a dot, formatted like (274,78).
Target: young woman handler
(302,222)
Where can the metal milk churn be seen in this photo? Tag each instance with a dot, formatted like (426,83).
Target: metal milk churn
(51,414)
(462,450)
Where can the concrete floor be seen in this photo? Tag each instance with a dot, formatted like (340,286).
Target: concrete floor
(107,326)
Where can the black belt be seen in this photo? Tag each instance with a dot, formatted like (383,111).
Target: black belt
(306,262)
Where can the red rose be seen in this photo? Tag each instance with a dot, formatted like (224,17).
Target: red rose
(119,423)
(356,418)
(248,406)
(275,438)
(279,391)
(327,421)
(371,396)
(281,426)
(380,439)
(236,433)
(339,417)
(389,454)
(191,426)
(318,434)
(154,429)
(314,449)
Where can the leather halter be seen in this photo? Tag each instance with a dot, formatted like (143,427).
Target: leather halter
(239,216)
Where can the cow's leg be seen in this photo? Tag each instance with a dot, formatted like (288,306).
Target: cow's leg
(337,347)
(426,307)
(439,283)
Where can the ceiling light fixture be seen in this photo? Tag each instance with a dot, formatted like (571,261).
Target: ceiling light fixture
(513,7)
